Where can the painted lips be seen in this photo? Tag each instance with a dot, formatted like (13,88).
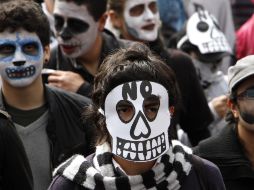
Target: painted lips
(148,27)
(68,49)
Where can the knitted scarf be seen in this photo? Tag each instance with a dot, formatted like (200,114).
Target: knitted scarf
(169,173)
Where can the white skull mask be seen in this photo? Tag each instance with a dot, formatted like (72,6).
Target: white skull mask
(137,117)
(203,31)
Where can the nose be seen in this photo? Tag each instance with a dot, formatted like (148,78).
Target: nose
(140,127)
(19,63)
(66,34)
(149,15)
(19,58)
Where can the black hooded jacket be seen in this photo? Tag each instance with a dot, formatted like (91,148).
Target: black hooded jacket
(65,129)
(15,172)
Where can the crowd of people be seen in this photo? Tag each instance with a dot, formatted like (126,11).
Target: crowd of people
(125,94)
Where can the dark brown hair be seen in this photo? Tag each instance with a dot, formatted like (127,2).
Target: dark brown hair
(117,6)
(24,14)
(125,65)
(95,7)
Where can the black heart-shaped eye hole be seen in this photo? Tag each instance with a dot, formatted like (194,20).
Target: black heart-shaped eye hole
(202,26)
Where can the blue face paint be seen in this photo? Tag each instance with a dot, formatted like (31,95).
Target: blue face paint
(21,57)
(20,46)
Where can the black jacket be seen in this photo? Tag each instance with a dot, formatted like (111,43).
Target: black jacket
(15,172)
(60,62)
(67,134)
(227,153)
(194,115)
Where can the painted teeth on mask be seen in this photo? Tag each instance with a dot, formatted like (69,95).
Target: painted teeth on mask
(140,147)
(159,149)
(148,155)
(20,72)
(159,140)
(148,145)
(126,146)
(133,155)
(125,153)
(134,149)
(119,152)
(141,156)
(154,143)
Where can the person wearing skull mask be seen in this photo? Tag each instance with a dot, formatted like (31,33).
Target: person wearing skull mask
(232,149)
(133,102)
(83,44)
(139,21)
(46,119)
(203,40)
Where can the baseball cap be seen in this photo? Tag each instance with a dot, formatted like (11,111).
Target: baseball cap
(243,69)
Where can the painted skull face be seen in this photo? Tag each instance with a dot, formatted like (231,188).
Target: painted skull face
(138,118)
(21,57)
(76,29)
(203,31)
(142,19)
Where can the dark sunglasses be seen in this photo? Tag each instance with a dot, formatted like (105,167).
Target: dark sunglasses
(247,94)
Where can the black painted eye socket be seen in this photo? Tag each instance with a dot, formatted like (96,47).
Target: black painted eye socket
(31,48)
(7,49)
(59,22)
(202,26)
(247,94)
(125,110)
(137,10)
(153,7)
(77,26)
(151,107)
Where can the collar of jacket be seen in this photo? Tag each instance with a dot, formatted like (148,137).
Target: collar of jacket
(227,153)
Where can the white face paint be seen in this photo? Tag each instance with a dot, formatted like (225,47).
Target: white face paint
(142,19)
(76,29)
(21,57)
(204,32)
(138,118)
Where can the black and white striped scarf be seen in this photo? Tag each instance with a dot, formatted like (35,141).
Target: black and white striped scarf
(100,173)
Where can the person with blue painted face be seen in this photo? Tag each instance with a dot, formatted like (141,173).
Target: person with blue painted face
(232,149)
(134,97)
(46,119)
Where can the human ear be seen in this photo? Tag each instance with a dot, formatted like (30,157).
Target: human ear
(116,19)
(171,110)
(46,53)
(102,21)
(233,107)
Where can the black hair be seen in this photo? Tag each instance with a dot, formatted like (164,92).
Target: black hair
(95,7)
(116,5)
(125,65)
(233,98)
(25,14)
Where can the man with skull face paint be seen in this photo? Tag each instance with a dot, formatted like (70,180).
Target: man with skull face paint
(46,119)
(133,103)
(139,21)
(232,149)
(83,44)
